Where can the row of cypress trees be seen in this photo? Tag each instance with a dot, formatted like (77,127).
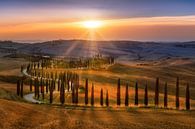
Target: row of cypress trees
(63,80)
(156,98)
(69,76)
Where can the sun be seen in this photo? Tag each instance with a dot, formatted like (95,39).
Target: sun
(92,24)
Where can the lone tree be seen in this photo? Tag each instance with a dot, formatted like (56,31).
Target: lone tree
(18,87)
(118,93)
(157,92)
(107,99)
(165,96)
(101,98)
(127,95)
(86,92)
(177,93)
(187,97)
(92,95)
(136,93)
(146,95)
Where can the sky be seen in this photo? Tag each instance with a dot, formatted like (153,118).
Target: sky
(143,20)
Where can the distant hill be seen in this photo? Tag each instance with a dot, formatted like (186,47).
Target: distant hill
(123,50)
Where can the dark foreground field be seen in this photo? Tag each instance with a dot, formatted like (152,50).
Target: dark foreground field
(18,115)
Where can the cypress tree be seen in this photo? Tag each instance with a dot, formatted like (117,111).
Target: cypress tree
(38,65)
(77,92)
(51,92)
(38,84)
(18,87)
(101,97)
(107,99)
(62,93)
(136,93)
(35,87)
(86,92)
(177,93)
(92,95)
(157,92)
(59,84)
(47,84)
(31,81)
(21,89)
(187,97)
(146,96)
(43,95)
(127,95)
(118,93)
(73,93)
(165,96)
(41,85)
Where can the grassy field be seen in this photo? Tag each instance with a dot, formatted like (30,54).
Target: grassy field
(107,80)
(16,113)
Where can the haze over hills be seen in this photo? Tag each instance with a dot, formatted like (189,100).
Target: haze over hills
(122,50)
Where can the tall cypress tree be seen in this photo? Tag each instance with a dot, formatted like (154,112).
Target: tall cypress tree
(107,99)
(86,92)
(43,90)
(127,95)
(35,87)
(73,93)
(177,93)
(136,93)
(21,89)
(31,81)
(62,99)
(59,84)
(47,84)
(146,96)
(101,97)
(92,95)
(41,85)
(157,92)
(118,93)
(165,96)
(77,91)
(187,97)
(38,86)
(51,92)
(18,87)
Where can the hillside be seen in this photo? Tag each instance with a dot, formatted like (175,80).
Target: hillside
(123,50)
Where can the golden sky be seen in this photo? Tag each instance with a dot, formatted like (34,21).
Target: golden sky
(164,28)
